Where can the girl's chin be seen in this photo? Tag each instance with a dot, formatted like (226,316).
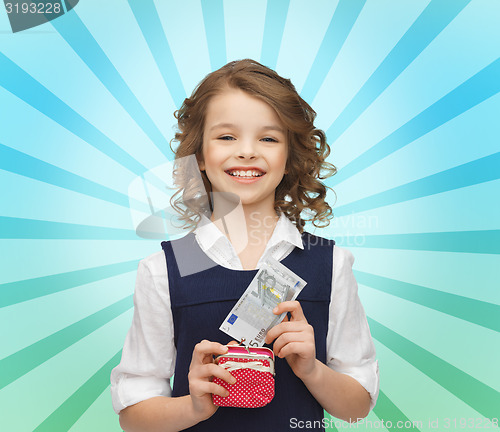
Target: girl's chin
(232,195)
(254,201)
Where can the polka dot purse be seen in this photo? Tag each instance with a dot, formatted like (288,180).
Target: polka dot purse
(253,369)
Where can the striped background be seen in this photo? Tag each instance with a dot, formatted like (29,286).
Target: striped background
(407,92)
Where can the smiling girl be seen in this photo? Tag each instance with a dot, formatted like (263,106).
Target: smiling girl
(254,138)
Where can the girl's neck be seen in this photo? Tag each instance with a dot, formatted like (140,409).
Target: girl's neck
(247,227)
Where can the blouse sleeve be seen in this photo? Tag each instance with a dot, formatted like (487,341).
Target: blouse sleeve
(148,356)
(350,348)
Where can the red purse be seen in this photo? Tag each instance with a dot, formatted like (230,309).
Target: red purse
(253,369)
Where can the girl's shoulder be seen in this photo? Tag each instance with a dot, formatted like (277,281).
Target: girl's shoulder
(155,263)
(310,240)
(342,256)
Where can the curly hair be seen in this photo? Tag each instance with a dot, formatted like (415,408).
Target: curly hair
(300,194)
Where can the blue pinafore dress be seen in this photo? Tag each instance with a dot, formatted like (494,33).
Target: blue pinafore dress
(202,300)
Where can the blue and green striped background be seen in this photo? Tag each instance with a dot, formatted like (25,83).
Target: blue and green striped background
(407,92)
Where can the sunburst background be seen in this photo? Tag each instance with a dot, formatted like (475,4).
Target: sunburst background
(407,92)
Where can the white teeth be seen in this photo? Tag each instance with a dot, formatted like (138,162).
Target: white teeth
(249,173)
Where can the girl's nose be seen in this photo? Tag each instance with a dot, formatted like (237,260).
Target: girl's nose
(246,149)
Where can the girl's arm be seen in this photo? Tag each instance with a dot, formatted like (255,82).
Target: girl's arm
(140,383)
(347,386)
(339,394)
(166,414)
(159,414)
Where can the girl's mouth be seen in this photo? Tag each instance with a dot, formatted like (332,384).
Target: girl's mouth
(245,176)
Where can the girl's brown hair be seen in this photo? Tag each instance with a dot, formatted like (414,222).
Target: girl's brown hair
(301,194)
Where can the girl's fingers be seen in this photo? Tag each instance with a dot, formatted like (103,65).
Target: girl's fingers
(214,370)
(293,307)
(206,349)
(201,388)
(207,371)
(300,348)
(287,339)
(284,327)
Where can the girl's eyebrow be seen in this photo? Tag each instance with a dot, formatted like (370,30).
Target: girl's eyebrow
(231,125)
(221,125)
(274,127)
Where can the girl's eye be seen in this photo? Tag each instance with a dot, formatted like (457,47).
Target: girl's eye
(226,138)
(269,139)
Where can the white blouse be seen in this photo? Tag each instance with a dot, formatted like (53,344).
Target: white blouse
(148,357)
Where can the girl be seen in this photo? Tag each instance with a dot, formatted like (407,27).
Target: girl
(253,137)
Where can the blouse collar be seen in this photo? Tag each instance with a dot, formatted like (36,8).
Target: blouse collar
(208,235)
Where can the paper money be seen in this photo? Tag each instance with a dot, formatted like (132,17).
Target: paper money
(252,316)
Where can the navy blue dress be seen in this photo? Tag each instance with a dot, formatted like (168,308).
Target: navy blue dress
(201,301)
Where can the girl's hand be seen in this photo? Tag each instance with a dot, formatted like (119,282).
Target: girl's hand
(294,340)
(201,372)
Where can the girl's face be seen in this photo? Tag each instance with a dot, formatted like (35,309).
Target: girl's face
(245,147)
